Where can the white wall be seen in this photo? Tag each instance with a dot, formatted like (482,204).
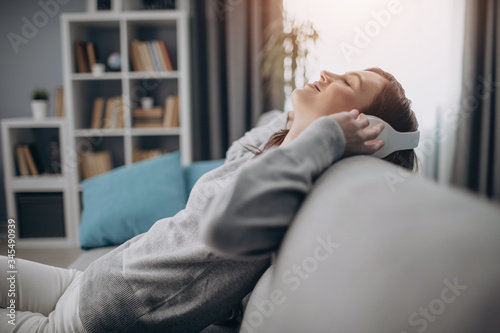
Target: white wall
(37,64)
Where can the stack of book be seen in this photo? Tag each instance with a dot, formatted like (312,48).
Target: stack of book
(59,103)
(107,113)
(95,163)
(139,154)
(27,160)
(156,116)
(150,56)
(85,56)
(148,117)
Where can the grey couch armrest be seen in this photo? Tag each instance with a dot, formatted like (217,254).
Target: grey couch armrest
(375,249)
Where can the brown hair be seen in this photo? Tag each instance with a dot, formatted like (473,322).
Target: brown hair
(391,105)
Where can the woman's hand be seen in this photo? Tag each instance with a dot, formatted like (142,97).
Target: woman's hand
(359,139)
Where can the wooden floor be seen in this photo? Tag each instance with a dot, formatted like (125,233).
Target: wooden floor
(55,257)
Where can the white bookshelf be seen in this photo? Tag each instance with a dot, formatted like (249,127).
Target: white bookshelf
(29,131)
(111,30)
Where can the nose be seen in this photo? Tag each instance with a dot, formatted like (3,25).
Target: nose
(326,76)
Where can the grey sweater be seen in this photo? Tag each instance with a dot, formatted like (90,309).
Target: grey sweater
(168,279)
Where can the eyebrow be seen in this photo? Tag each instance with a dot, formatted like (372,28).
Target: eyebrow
(359,78)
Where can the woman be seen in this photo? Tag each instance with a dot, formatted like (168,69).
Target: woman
(281,178)
(167,279)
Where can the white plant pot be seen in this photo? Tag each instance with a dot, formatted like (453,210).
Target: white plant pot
(39,109)
(98,69)
(147,103)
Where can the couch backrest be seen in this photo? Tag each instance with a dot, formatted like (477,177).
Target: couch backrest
(377,249)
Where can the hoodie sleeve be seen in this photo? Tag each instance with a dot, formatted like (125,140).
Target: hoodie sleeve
(252,214)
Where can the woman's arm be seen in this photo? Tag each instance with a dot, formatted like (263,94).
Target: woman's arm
(252,214)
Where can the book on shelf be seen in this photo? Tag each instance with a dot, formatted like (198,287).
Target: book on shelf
(81,57)
(148,124)
(161,60)
(59,103)
(146,56)
(97,113)
(166,55)
(27,160)
(156,111)
(140,154)
(91,56)
(107,113)
(150,56)
(154,56)
(147,117)
(137,65)
(22,164)
(95,163)
(86,56)
(171,117)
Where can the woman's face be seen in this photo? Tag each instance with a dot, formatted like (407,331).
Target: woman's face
(336,93)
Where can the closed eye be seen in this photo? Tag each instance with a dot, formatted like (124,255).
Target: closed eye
(346,82)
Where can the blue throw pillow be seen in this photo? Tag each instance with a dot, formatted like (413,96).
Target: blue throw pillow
(195,170)
(128,200)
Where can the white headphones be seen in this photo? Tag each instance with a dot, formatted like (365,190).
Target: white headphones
(393,139)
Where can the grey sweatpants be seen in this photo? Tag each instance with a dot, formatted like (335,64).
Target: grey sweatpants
(45,298)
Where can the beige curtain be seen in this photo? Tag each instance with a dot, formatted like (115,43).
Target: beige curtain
(477,155)
(228,94)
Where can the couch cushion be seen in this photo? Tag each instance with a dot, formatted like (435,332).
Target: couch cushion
(128,200)
(375,249)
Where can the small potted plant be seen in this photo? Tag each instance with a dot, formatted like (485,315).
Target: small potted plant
(147,101)
(98,68)
(39,103)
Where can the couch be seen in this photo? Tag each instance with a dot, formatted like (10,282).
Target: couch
(377,249)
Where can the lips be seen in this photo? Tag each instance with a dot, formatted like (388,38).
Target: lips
(314,85)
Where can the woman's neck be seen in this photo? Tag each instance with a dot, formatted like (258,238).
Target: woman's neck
(298,125)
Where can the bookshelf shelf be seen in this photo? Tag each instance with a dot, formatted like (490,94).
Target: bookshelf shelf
(99,132)
(32,123)
(133,75)
(155,131)
(44,182)
(89,76)
(114,31)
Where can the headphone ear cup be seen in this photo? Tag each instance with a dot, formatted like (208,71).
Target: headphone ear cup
(393,140)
